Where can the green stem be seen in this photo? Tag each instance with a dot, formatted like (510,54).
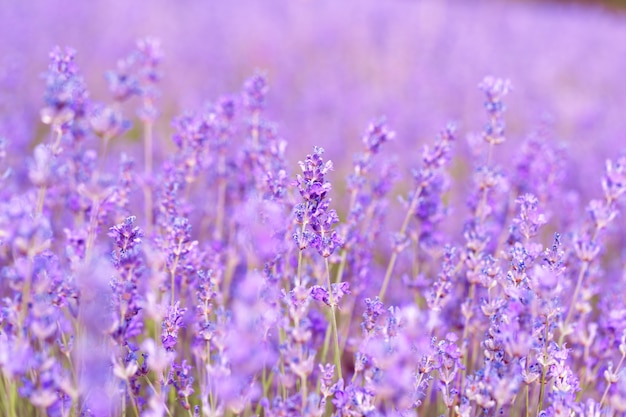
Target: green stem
(579,281)
(221,199)
(544,370)
(148,145)
(333,321)
(394,255)
(304,388)
(326,345)
(527,400)
(173,271)
(472,291)
(609,383)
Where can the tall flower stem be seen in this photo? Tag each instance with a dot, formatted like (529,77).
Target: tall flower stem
(173,272)
(609,383)
(337,355)
(544,369)
(579,281)
(147,190)
(405,224)
(221,197)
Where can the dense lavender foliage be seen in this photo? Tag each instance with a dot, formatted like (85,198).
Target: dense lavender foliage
(167,260)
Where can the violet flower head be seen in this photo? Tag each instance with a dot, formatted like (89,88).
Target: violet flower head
(107,122)
(123,82)
(314,212)
(126,235)
(319,293)
(137,75)
(601,213)
(439,155)
(128,323)
(181,378)
(373,310)
(149,55)
(377,134)
(327,240)
(614,183)
(530,218)
(179,244)
(311,184)
(495,90)
(66,94)
(255,92)
(171,326)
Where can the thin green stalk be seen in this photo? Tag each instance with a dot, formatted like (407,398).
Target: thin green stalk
(333,321)
(173,271)
(265,383)
(527,400)
(579,281)
(544,370)
(471,296)
(221,198)
(282,336)
(91,236)
(344,339)
(12,399)
(41,197)
(41,194)
(394,255)
(300,260)
(608,385)
(132,400)
(5,397)
(157,391)
(326,345)
(304,389)
(148,151)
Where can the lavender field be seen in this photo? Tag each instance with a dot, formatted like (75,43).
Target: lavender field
(312,208)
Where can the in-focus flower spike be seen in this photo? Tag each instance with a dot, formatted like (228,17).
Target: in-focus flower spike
(319,293)
(171,326)
(126,235)
(313,214)
(128,261)
(181,378)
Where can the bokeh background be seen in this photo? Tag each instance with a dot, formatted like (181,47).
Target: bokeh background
(334,65)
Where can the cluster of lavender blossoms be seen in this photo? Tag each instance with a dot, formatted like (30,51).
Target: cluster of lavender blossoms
(212,281)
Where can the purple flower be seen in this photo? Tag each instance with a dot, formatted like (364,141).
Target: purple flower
(318,293)
(171,326)
(254,93)
(125,235)
(66,95)
(181,378)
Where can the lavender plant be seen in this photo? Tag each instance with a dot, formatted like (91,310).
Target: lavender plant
(227,285)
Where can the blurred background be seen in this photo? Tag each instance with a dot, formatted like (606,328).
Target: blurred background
(335,65)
